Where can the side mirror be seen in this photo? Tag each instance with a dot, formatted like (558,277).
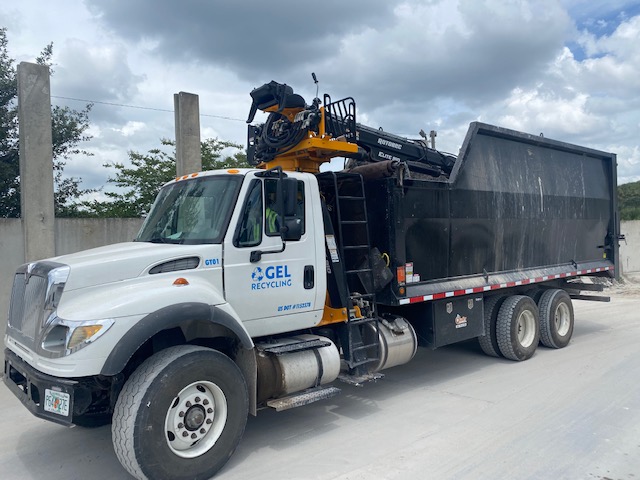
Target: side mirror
(290,195)
(292,229)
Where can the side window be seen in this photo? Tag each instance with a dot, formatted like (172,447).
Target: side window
(300,205)
(249,232)
(272,219)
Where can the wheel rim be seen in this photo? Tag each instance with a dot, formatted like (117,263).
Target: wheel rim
(195,419)
(562,319)
(526,328)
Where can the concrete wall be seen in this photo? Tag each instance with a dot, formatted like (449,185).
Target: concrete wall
(75,234)
(630,250)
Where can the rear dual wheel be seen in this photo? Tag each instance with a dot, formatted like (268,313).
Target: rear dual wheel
(488,342)
(518,328)
(556,318)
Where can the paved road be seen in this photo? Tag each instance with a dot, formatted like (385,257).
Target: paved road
(452,413)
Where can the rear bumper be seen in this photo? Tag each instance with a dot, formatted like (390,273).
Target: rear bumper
(29,385)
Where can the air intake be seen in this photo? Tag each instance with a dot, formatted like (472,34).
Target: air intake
(188,263)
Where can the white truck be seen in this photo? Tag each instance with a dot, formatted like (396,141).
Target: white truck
(259,288)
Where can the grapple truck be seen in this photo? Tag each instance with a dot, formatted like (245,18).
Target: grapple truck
(260,288)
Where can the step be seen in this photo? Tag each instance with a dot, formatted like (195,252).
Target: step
(362,348)
(353,222)
(357,363)
(356,247)
(296,347)
(303,398)
(359,270)
(368,296)
(359,321)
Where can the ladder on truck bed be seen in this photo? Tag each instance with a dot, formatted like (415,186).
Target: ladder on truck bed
(345,199)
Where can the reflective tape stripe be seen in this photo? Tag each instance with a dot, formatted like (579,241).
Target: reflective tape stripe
(498,286)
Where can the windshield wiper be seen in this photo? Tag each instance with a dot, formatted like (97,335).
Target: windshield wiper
(161,240)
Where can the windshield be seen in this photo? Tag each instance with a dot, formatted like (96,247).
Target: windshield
(192,211)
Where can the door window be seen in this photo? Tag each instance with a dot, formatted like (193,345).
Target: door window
(249,233)
(272,220)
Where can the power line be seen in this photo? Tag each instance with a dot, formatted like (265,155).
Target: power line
(141,108)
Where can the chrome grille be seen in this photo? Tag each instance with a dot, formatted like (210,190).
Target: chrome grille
(27,304)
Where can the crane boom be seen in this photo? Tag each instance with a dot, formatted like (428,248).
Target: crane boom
(297,136)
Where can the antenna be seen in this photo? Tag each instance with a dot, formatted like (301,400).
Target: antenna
(315,80)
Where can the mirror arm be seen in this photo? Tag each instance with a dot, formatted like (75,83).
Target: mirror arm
(256,255)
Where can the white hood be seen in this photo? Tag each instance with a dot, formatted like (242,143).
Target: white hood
(123,261)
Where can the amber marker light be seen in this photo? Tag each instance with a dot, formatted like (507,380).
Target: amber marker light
(82,334)
(233,170)
(179,282)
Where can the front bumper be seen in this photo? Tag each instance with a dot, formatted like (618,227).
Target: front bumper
(29,385)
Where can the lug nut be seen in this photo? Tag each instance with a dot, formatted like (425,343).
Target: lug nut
(209,421)
(184,434)
(181,414)
(205,402)
(188,404)
(197,399)
(181,425)
(193,435)
(209,410)
(202,430)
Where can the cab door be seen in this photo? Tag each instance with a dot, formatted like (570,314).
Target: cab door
(283,290)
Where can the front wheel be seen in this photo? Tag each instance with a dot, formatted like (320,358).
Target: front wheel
(180,415)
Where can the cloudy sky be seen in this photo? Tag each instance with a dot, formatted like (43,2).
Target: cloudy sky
(567,68)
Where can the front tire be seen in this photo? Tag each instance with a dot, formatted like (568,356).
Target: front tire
(180,415)
(556,318)
(517,328)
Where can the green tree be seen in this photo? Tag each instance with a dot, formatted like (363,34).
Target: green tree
(68,131)
(629,201)
(139,184)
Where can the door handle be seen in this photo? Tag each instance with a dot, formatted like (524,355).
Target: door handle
(308,280)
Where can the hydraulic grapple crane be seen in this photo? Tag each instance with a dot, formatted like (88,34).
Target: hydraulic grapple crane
(300,137)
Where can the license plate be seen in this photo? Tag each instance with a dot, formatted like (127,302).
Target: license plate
(56,402)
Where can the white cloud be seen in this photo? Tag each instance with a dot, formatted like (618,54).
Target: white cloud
(628,162)
(568,68)
(130,128)
(536,110)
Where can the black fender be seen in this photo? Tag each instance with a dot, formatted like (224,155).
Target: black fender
(163,319)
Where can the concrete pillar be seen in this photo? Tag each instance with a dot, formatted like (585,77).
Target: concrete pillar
(36,161)
(187,113)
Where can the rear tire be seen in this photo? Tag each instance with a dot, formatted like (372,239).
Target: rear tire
(517,328)
(180,415)
(489,342)
(556,319)
(535,294)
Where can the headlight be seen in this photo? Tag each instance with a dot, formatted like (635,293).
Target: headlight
(64,337)
(83,335)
